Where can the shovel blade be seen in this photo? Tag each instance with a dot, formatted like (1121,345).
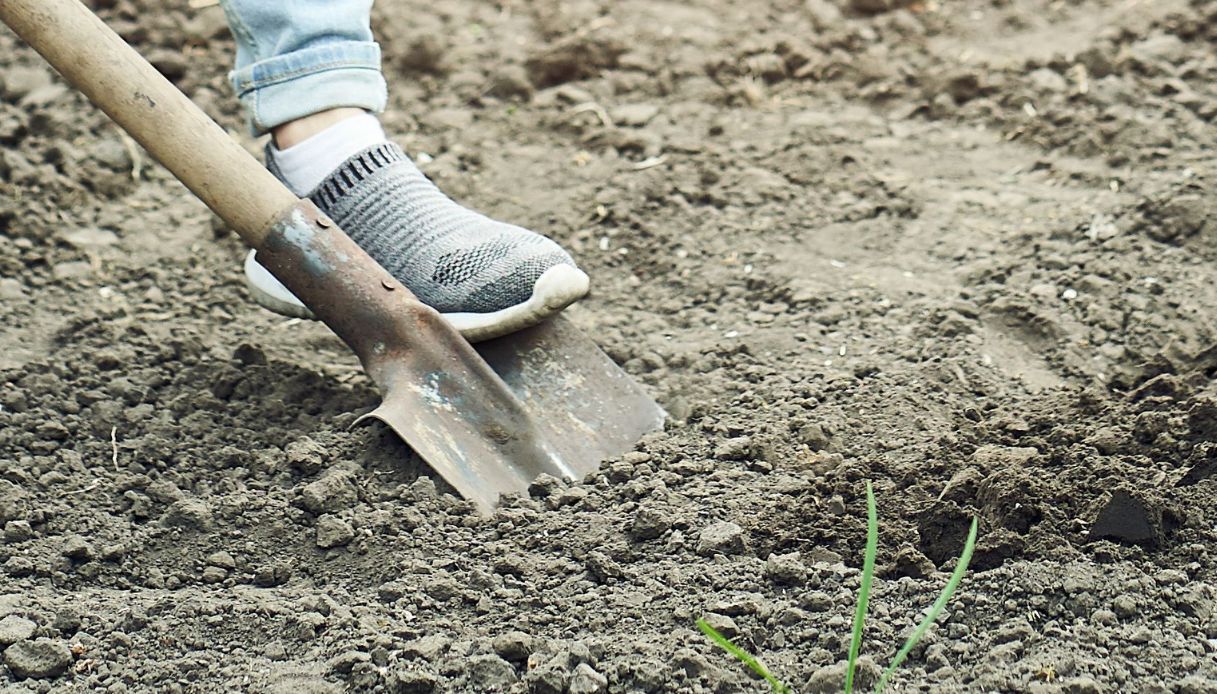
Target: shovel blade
(586,404)
(572,407)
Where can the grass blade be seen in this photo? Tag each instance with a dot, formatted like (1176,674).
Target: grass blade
(868,576)
(956,576)
(743,656)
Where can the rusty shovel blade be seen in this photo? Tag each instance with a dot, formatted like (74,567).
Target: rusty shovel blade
(567,407)
(545,400)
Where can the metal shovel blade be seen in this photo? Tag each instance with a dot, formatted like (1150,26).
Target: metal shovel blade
(572,408)
(545,400)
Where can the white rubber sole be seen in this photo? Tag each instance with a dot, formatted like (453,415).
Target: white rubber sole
(556,288)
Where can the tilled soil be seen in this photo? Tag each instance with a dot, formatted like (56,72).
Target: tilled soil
(962,249)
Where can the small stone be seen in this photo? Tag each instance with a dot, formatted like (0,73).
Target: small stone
(442,587)
(427,648)
(836,505)
(545,485)
(334,491)
(14,501)
(332,531)
(190,514)
(722,624)
(568,497)
(88,238)
(409,681)
(816,601)
(274,574)
(19,80)
(831,679)
(587,681)
(222,559)
(171,63)
(793,615)
(67,621)
(14,629)
(304,454)
(392,591)
(77,549)
(514,646)
(992,457)
(1106,440)
(111,154)
(649,524)
(1125,606)
(38,659)
(490,672)
(633,115)
(738,448)
(214,574)
(1142,635)
(71,270)
(1048,80)
(1160,48)
(723,537)
(19,567)
(112,552)
(510,82)
(18,531)
(603,567)
(12,290)
(786,569)
(824,14)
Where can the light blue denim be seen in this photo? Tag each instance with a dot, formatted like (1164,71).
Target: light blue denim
(299,57)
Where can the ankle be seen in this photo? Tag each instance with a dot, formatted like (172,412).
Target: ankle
(305,163)
(296,131)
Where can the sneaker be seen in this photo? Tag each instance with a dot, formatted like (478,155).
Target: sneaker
(486,278)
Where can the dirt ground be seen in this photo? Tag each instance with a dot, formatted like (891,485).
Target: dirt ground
(963,249)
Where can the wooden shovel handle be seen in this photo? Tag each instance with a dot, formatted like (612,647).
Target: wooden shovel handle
(177,133)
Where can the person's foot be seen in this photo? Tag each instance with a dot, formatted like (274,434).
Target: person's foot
(485,277)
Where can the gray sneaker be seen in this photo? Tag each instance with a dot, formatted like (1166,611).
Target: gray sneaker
(485,277)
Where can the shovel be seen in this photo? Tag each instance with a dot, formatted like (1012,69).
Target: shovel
(489,420)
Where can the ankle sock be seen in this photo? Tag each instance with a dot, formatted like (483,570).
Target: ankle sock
(304,165)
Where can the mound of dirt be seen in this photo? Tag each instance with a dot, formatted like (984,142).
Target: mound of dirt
(962,250)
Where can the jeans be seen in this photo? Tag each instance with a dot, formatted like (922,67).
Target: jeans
(299,57)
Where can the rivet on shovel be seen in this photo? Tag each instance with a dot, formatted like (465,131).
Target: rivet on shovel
(388,284)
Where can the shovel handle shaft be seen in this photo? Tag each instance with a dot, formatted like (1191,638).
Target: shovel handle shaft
(155,113)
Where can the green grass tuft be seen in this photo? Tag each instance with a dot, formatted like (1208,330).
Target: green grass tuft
(868,576)
(743,656)
(961,568)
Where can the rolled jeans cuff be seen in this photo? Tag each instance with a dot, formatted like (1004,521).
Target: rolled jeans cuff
(286,87)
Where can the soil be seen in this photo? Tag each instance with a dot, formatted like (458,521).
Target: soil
(962,249)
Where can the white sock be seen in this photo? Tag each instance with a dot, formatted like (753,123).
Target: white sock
(306,164)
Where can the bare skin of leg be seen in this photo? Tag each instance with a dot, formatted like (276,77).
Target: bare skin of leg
(299,130)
